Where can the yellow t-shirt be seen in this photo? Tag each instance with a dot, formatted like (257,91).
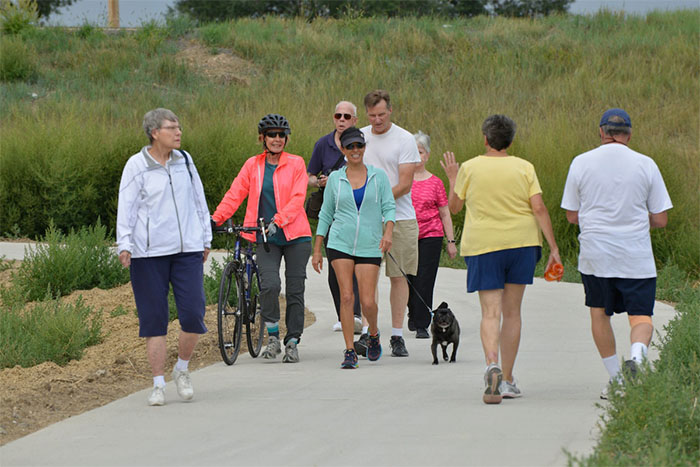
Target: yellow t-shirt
(497,192)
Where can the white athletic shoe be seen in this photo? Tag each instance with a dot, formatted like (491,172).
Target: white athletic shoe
(157,396)
(184,384)
(337,327)
(358,325)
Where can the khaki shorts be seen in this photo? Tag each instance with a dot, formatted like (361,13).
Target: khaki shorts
(404,249)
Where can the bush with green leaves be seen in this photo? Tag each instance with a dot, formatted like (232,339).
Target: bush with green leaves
(18,15)
(17,60)
(61,263)
(46,331)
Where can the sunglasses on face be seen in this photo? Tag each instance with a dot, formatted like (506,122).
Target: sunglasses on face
(345,116)
(355,146)
(276,134)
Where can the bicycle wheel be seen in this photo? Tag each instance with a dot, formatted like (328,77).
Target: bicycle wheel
(254,326)
(229,314)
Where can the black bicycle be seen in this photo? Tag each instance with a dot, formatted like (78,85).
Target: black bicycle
(239,295)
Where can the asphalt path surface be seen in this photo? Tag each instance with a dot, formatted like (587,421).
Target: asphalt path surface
(396,411)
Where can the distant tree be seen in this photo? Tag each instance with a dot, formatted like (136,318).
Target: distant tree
(531,8)
(46,7)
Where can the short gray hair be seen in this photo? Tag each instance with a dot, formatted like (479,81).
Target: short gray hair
(614,130)
(423,140)
(354,107)
(154,119)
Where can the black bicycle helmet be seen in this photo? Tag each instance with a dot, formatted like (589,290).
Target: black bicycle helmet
(270,121)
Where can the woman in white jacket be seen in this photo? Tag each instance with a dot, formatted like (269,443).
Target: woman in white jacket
(163,236)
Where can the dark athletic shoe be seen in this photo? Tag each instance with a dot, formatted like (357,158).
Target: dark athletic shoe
(350,361)
(493,378)
(411,324)
(361,345)
(630,369)
(422,333)
(374,348)
(398,347)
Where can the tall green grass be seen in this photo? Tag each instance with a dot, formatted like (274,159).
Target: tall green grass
(555,76)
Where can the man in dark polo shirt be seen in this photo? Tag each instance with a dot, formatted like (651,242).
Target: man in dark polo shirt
(325,158)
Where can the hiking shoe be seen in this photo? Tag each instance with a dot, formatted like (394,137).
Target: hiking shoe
(350,360)
(374,348)
(493,379)
(509,390)
(337,327)
(358,326)
(291,354)
(157,396)
(630,369)
(184,384)
(422,333)
(361,344)
(272,349)
(398,347)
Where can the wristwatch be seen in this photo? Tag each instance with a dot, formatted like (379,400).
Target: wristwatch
(451,241)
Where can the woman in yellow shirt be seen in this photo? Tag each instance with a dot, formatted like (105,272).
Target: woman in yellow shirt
(501,243)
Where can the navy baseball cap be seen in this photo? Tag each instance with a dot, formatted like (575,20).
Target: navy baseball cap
(605,120)
(351,135)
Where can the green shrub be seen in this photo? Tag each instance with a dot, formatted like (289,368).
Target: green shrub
(64,263)
(17,61)
(47,331)
(18,16)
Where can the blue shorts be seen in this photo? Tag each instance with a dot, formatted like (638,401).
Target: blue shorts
(495,269)
(151,279)
(616,295)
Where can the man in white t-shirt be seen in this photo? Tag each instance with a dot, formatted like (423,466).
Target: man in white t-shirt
(394,150)
(616,195)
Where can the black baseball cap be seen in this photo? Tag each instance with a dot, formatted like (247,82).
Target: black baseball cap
(351,135)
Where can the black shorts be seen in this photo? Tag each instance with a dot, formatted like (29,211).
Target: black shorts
(616,295)
(332,254)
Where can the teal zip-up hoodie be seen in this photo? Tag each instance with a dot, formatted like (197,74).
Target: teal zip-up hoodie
(352,231)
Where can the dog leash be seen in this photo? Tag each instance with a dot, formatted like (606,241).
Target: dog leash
(409,283)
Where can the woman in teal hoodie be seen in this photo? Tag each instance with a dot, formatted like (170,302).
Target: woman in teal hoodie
(357,215)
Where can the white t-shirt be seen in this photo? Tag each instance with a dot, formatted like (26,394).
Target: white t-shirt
(614,189)
(387,151)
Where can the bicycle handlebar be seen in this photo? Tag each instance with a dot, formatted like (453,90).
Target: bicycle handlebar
(228,228)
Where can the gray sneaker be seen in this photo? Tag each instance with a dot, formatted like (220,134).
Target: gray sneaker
(184,384)
(157,396)
(272,349)
(291,354)
(493,379)
(509,390)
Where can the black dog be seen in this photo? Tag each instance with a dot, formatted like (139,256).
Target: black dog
(445,329)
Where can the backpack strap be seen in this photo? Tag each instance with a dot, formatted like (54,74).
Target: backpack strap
(187,161)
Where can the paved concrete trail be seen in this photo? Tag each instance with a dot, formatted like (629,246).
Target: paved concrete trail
(397,411)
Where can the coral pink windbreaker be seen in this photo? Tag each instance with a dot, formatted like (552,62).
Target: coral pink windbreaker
(289,182)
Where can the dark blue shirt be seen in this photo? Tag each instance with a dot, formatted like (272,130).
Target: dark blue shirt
(325,155)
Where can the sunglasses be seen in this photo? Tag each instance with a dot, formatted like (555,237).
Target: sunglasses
(345,116)
(276,134)
(355,146)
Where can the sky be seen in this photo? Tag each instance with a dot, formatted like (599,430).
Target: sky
(133,13)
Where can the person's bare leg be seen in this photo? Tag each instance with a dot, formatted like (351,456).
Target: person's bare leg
(367,275)
(642,333)
(510,329)
(602,331)
(156,352)
(343,272)
(186,344)
(490,322)
(398,297)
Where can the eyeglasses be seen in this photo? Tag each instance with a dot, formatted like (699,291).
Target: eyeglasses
(345,116)
(355,146)
(276,134)
(171,128)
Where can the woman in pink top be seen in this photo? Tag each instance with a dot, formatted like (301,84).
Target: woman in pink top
(433,215)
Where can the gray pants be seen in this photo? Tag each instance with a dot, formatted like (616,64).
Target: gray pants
(295,258)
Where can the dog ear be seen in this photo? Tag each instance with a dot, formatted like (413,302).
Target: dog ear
(443,305)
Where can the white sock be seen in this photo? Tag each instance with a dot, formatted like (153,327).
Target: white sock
(181,364)
(612,364)
(397,332)
(159,381)
(638,351)
(365,329)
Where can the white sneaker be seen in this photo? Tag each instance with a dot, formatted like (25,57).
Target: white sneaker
(184,384)
(272,349)
(157,396)
(337,327)
(509,390)
(358,325)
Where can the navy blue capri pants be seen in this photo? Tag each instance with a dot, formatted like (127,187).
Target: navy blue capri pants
(151,279)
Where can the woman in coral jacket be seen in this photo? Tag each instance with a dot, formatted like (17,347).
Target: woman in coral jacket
(275,183)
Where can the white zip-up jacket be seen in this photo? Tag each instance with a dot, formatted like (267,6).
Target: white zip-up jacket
(161,211)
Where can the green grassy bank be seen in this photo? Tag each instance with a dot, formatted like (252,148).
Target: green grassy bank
(73,101)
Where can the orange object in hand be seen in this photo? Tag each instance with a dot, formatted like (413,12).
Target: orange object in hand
(554,273)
